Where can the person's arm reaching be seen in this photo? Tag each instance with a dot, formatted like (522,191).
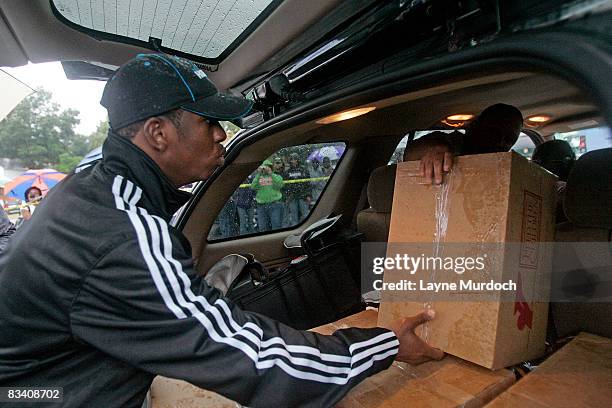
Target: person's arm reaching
(435,154)
(145,305)
(255,183)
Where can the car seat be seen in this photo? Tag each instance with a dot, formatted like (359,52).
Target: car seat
(374,222)
(583,250)
(558,157)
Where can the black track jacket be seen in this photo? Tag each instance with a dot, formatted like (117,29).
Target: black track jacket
(98,294)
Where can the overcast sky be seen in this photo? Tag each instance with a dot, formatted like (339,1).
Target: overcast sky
(83,96)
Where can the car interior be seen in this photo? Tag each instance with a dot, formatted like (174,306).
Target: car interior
(407,95)
(371,140)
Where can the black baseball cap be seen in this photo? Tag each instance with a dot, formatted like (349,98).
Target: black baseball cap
(153,84)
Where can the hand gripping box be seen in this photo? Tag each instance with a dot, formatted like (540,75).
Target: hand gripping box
(448,383)
(495,210)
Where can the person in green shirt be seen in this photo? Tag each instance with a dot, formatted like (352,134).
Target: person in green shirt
(268,186)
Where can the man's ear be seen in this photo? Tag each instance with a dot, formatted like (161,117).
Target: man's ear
(155,132)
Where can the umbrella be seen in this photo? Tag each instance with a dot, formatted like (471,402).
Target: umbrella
(44,179)
(333,152)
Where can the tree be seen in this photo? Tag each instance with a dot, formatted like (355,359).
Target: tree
(230,130)
(37,132)
(96,138)
(67,162)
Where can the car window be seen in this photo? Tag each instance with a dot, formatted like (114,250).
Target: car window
(280,193)
(586,140)
(398,153)
(193,28)
(524,146)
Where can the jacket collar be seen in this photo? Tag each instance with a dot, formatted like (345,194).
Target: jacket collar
(160,195)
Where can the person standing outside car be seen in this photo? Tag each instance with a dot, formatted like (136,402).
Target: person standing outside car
(268,185)
(32,196)
(315,172)
(101,294)
(2,197)
(227,219)
(7,229)
(296,191)
(326,167)
(244,197)
(279,167)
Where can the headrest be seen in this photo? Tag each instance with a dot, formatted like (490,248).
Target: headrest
(556,156)
(380,188)
(589,190)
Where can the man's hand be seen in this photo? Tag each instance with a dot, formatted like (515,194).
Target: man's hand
(412,349)
(435,162)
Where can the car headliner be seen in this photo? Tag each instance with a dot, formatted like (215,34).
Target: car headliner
(30,32)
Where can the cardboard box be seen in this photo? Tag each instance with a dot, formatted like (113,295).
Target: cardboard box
(171,393)
(450,382)
(500,203)
(578,375)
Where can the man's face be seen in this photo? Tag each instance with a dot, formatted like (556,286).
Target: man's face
(492,135)
(33,195)
(196,151)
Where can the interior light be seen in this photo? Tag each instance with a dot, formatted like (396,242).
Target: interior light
(457,120)
(456,124)
(459,117)
(349,114)
(537,119)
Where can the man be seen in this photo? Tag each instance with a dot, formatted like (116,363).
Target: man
(98,294)
(326,167)
(268,185)
(7,229)
(496,129)
(32,196)
(278,166)
(244,197)
(556,156)
(296,193)
(228,226)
